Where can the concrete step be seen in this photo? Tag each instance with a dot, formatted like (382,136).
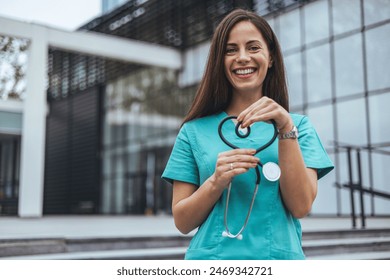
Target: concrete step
(177,254)
(17,247)
(329,244)
(336,249)
(338,234)
(174,253)
(354,256)
(345,246)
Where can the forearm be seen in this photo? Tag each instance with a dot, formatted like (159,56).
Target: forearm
(191,211)
(298,184)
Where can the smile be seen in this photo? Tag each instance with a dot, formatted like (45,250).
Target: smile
(245,71)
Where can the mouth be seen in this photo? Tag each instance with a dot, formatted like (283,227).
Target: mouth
(244,71)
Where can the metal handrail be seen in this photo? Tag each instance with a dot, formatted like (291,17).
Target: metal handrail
(377,148)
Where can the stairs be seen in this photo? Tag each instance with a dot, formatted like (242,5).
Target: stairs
(317,245)
(347,244)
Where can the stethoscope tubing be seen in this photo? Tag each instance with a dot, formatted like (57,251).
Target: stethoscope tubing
(227,233)
(258,150)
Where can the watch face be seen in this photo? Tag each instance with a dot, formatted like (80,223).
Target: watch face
(295,132)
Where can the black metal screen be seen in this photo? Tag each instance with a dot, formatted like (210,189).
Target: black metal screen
(179,24)
(72,154)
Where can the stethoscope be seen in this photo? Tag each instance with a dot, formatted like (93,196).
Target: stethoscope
(271,172)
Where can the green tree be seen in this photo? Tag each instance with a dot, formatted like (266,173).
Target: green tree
(13,65)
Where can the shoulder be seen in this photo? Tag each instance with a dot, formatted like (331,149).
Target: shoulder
(300,120)
(297,118)
(202,123)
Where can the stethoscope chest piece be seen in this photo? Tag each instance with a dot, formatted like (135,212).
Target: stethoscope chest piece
(271,171)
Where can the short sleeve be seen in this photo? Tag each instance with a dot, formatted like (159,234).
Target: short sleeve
(181,165)
(312,149)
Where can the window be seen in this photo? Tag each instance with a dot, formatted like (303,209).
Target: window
(378,57)
(316,21)
(380,118)
(290,37)
(322,119)
(351,122)
(376,11)
(294,79)
(349,66)
(346,16)
(318,74)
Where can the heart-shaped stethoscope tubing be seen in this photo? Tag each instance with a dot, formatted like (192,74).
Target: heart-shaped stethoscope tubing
(275,168)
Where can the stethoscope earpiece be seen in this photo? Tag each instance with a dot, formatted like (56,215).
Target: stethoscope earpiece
(271,172)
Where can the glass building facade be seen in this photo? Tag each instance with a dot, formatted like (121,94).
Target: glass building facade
(336,55)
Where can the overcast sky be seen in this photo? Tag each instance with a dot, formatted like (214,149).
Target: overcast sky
(63,14)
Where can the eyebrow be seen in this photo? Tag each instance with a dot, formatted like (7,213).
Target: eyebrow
(247,43)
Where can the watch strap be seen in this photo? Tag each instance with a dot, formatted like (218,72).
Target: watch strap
(292,134)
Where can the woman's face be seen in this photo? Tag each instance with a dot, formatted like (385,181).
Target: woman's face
(247,59)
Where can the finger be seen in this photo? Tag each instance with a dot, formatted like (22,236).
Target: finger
(237,159)
(259,117)
(238,165)
(259,104)
(237,152)
(263,115)
(236,171)
(247,111)
(241,158)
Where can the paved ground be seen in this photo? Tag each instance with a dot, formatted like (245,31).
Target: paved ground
(133,226)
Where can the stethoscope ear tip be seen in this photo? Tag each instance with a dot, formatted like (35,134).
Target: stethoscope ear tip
(225,234)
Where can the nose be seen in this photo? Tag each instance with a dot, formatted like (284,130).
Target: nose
(242,57)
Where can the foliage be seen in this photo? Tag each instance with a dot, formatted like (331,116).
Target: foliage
(13,65)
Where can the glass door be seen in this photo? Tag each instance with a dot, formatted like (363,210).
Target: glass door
(9,173)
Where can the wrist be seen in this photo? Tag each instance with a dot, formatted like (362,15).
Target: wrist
(286,127)
(213,185)
(289,134)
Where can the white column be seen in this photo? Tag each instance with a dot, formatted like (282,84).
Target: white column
(34,127)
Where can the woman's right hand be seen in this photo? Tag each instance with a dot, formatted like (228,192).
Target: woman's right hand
(232,163)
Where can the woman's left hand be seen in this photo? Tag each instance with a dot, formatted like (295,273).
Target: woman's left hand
(266,109)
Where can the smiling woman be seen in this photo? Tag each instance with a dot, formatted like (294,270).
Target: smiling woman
(244,80)
(247,60)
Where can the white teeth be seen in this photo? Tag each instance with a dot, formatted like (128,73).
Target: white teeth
(244,71)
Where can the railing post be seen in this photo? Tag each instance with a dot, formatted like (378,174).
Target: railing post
(360,185)
(353,215)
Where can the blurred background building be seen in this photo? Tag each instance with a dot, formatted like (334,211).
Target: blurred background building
(108,5)
(111,124)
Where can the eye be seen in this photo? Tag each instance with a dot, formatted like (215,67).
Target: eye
(254,48)
(230,50)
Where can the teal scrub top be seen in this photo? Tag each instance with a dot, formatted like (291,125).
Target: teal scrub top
(272,232)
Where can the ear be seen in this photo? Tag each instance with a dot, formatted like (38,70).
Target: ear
(271,62)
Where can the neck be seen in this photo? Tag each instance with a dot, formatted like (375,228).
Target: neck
(241,101)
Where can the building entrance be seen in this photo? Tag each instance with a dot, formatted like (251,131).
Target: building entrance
(9,173)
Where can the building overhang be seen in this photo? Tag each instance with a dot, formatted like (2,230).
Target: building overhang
(99,44)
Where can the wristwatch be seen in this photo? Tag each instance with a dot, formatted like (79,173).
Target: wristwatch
(292,134)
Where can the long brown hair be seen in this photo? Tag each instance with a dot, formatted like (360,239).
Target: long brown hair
(215,92)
